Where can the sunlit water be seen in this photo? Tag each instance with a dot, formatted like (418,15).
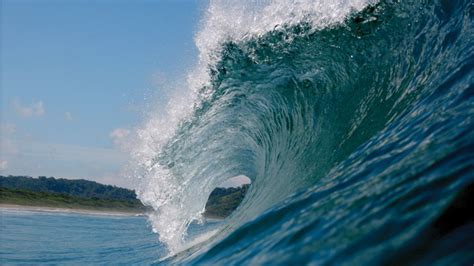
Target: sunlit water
(28,237)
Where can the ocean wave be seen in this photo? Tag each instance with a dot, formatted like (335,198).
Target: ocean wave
(353,119)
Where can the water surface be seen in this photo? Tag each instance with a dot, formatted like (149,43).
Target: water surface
(29,237)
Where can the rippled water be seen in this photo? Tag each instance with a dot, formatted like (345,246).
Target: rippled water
(34,238)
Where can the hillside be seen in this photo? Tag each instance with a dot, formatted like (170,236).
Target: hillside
(78,188)
(84,194)
(56,200)
(223,201)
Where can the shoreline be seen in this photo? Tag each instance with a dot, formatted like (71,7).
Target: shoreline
(28,208)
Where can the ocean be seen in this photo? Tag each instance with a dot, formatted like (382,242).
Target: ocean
(39,238)
(354,121)
(36,236)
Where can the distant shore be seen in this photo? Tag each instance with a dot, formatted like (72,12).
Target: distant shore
(15,207)
(83,196)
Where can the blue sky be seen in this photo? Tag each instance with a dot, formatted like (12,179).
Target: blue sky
(76,74)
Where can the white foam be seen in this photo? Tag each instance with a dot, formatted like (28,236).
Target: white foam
(239,20)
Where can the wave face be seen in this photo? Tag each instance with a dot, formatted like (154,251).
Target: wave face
(353,119)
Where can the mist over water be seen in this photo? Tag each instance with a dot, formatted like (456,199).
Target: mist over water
(353,119)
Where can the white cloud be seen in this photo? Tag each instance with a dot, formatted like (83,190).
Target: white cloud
(120,137)
(236,181)
(7,129)
(69,161)
(68,116)
(3,165)
(35,109)
(7,147)
(117,179)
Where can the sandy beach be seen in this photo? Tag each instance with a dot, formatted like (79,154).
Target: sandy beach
(14,207)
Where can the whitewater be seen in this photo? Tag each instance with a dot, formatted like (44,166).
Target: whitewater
(353,120)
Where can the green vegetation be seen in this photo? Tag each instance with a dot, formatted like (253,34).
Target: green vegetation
(64,193)
(78,188)
(55,200)
(223,201)
(84,194)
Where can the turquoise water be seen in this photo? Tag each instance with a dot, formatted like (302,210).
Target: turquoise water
(75,239)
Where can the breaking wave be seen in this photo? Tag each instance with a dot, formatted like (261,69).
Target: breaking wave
(353,119)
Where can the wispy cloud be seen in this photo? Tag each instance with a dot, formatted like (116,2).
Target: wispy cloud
(3,165)
(236,181)
(120,137)
(7,147)
(68,116)
(68,161)
(7,129)
(35,109)
(116,178)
